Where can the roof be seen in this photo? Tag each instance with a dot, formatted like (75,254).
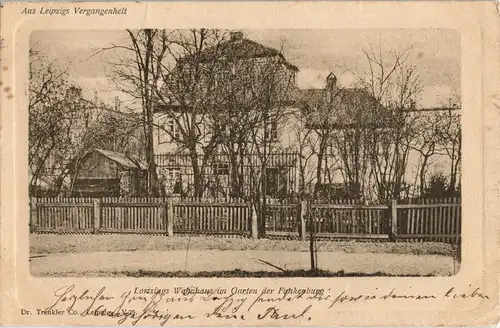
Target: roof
(239,49)
(343,109)
(123,159)
(345,95)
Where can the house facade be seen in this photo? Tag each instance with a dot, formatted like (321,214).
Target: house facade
(229,135)
(352,146)
(235,140)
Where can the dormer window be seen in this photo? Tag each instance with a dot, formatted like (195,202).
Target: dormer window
(236,36)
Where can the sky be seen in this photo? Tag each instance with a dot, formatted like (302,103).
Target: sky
(436,54)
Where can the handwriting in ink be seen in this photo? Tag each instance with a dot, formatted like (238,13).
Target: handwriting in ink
(64,295)
(452,293)
(228,309)
(274,313)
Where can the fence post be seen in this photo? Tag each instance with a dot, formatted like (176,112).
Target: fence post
(97,214)
(254,223)
(33,215)
(394,220)
(170,218)
(302,225)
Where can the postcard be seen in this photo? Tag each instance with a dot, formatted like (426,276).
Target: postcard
(250,164)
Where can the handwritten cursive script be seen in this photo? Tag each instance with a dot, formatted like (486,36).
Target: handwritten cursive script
(164,306)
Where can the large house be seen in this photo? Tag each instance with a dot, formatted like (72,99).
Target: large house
(333,119)
(353,146)
(288,130)
(228,127)
(232,122)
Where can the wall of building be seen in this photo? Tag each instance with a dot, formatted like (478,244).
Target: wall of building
(97,166)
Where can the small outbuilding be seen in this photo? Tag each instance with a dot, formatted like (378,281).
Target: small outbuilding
(105,173)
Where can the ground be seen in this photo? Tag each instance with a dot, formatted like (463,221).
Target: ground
(142,255)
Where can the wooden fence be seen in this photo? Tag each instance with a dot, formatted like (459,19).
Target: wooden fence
(212,218)
(351,220)
(437,219)
(427,220)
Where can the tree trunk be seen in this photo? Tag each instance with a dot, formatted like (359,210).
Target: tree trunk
(422,175)
(153,187)
(318,166)
(197,174)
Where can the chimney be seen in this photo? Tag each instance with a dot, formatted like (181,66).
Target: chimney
(331,81)
(236,36)
(331,86)
(96,98)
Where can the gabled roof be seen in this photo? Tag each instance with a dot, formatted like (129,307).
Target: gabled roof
(331,76)
(343,108)
(123,159)
(340,96)
(239,49)
(236,48)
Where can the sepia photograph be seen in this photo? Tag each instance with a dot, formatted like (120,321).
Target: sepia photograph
(249,164)
(245,153)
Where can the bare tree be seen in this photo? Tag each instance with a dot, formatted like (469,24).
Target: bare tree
(59,116)
(361,120)
(135,73)
(46,93)
(253,94)
(306,143)
(185,73)
(450,138)
(393,83)
(426,143)
(187,94)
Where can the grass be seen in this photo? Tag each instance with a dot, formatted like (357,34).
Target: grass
(51,244)
(246,274)
(231,274)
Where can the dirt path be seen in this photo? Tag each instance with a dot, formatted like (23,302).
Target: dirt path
(79,263)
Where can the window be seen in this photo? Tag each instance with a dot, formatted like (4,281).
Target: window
(223,73)
(169,131)
(173,129)
(222,129)
(276,181)
(173,173)
(272,132)
(163,136)
(174,178)
(221,169)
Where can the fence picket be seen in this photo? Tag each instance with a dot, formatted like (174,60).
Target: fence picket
(452,221)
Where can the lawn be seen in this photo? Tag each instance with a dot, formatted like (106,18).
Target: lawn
(160,256)
(232,274)
(238,263)
(52,244)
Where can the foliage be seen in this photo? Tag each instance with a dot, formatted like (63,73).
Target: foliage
(437,185)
